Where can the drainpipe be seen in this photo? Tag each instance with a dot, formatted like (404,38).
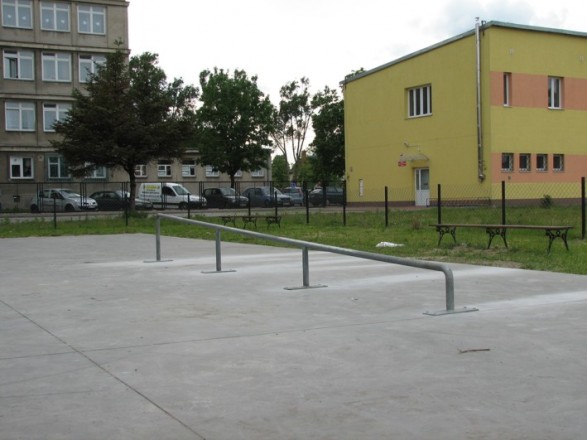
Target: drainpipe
(480,173)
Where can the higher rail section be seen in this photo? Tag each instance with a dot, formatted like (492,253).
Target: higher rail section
(305,246)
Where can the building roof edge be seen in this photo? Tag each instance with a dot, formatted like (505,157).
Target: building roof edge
(484,25)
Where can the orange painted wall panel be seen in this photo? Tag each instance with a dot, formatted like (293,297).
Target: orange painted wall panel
(575,167)
(531,91)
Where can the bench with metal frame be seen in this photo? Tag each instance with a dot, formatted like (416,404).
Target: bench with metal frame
(273,220)
(552,232)
(252,219)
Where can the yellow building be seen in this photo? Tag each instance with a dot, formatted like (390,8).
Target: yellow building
(501,102)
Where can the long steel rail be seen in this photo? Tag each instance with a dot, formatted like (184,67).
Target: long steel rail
(305,246)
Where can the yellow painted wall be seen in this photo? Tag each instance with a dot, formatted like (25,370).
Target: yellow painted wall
(377,126)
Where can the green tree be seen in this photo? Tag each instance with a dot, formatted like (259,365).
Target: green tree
(127,115)
(292,119)
(280,172)
(234,124)
(327,148)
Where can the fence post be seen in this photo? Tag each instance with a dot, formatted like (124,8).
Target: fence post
(439,206)
(503,202)
(386,207)
(158,239)
(583,208)
(344,204)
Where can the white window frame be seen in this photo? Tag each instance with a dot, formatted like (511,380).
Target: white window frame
(55,16)
(17,8)
(53,64)
(53,112)
(507,89)
(258,173)
(507,162)
(88,65)
(23,113)
(558,162)
(544,165)
(211,171)
(58,164)
(25,166)
(188,168)
(420,101)
(525,162)
(164,169)
(16,62)
(86,19)
(141,170)
(239,173)
(555,92)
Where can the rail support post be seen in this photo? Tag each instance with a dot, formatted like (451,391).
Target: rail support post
(305,273)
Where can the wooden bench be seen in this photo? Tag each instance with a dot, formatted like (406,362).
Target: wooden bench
(229,219)
(273,220)
(252,219)
(552,232)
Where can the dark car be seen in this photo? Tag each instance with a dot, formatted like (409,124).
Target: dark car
(265,196)
(296,195)
(224,198)
(117,200)
(334,195)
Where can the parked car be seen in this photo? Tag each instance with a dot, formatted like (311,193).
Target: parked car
(334,195)
(61,199)
(224,197)
(265,196)
(170,195)
(296,195)
(117,200)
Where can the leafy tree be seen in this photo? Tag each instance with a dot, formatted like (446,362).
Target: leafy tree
(327,148)
(292,118)
(234,124)
(280,173)
(127,115)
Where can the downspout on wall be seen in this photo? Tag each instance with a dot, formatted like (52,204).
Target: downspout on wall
(480,163)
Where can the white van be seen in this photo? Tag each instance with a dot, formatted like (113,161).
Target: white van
(170,195)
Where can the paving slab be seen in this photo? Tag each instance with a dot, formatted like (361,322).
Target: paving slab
(98,341)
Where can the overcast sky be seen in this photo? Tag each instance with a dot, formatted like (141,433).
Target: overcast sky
(280,40)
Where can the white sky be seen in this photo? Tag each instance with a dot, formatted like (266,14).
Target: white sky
(323,40)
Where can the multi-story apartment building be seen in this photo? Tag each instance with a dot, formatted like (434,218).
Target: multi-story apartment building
(48,48)
(500,103)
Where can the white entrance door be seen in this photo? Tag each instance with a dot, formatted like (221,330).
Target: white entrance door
(422,186)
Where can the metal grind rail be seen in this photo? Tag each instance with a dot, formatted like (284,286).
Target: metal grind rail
(305,246)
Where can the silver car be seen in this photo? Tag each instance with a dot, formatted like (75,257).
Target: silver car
(62,199)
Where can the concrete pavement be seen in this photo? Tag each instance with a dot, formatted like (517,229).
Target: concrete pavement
(99,342)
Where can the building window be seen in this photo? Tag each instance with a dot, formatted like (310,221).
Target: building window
(524,162)
(420,101)
(555,92)
(258,173)
(21,168)
(98,173)
(141,170)
(558,162)
(239,173)
(88,65)
(188,168)
(53,113)
(507,89)
(18,64)
(17,13)
(57,67)
(55,16)
(507,161)
(57,168)
(211,171)
(542,162)
(20,116)
(164,168)
(91,20)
